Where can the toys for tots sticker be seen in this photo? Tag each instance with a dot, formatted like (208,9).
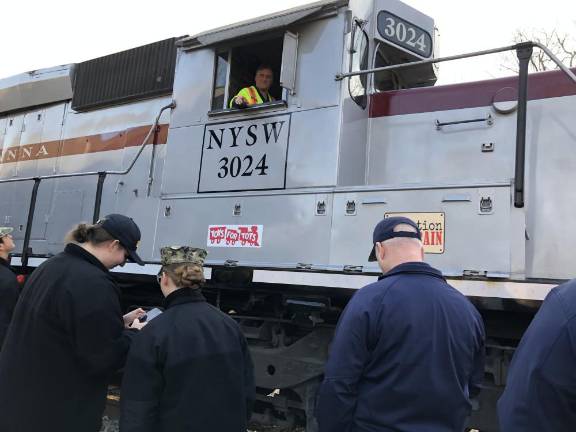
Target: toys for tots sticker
(245,236)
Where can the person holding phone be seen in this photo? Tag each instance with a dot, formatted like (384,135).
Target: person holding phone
(68,334)
(190,362)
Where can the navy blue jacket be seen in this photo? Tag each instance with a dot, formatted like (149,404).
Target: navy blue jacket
(540,393)
(188,370)
(407,355)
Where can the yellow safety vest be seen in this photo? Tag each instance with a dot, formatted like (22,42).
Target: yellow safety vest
(251,95)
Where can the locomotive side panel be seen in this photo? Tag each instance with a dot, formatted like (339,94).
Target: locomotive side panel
(411,148)
(550,197)
(457,236)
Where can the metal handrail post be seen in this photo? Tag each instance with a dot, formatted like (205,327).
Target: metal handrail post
(28,233)
(524,54)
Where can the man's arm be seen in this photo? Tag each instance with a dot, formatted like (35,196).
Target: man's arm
(348,355)
(141,386)
(9,292)
(239,101)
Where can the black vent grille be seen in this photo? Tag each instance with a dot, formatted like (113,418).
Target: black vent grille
(138,73)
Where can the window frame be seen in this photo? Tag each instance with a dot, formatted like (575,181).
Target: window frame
(217,53)
(224,110)
(363,62)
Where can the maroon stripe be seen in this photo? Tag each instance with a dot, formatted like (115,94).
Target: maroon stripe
(469,95)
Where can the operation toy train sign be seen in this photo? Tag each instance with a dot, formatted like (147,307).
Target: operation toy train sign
(431,227)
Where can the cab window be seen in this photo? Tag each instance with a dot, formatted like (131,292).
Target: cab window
(235,68)
(358,62)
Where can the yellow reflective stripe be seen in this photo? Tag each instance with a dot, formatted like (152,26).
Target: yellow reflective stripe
(251,95)
(254,96)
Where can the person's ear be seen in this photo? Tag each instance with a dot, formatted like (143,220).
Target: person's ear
(380,250)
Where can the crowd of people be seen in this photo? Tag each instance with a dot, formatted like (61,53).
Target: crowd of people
(407,354)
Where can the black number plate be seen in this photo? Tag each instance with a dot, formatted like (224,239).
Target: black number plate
(404,34)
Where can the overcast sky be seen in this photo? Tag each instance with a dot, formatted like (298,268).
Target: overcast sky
(42,33)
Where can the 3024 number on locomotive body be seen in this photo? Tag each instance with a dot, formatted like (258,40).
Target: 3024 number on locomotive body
(245,155)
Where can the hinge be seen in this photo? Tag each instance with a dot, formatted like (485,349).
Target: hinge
(230,263)
(353,268)
(303,266)
(474,274)
(351,208)
(237,210)
(487,147)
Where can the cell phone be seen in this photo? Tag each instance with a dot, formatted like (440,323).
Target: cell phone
(150,315)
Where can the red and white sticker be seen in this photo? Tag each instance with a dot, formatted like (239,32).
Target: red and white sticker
(245,236)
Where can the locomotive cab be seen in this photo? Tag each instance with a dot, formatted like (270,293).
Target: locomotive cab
(312,136)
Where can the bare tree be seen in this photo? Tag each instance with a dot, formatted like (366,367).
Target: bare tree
(561,44)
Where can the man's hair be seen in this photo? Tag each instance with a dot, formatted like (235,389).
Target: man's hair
(265,66)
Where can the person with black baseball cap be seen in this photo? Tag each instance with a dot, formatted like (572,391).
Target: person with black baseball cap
(68,334)
(408,351)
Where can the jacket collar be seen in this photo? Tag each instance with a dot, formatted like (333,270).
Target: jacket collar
(183,295)
(79,252)
(414,268)
(4,262)
(265,98)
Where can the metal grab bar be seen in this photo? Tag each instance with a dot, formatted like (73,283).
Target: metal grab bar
(90,173)
(101,177)
(524,53)
(341,76)
(489,120)
(152,129)
(521,45)
(556,60)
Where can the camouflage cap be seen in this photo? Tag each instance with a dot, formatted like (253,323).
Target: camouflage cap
(4,231)
(182,254)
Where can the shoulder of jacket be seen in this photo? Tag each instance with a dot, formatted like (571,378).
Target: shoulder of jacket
(7,277)
(373,293)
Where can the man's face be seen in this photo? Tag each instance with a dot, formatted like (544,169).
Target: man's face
(7,244)
(263,79)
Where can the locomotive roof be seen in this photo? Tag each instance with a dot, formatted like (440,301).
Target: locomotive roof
(261,24)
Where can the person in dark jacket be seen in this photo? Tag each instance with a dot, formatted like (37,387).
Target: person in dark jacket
(540,394)
(9,287)
(408,352)
(68,334)
(190,368)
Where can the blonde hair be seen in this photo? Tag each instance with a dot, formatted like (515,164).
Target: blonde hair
(185,275)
